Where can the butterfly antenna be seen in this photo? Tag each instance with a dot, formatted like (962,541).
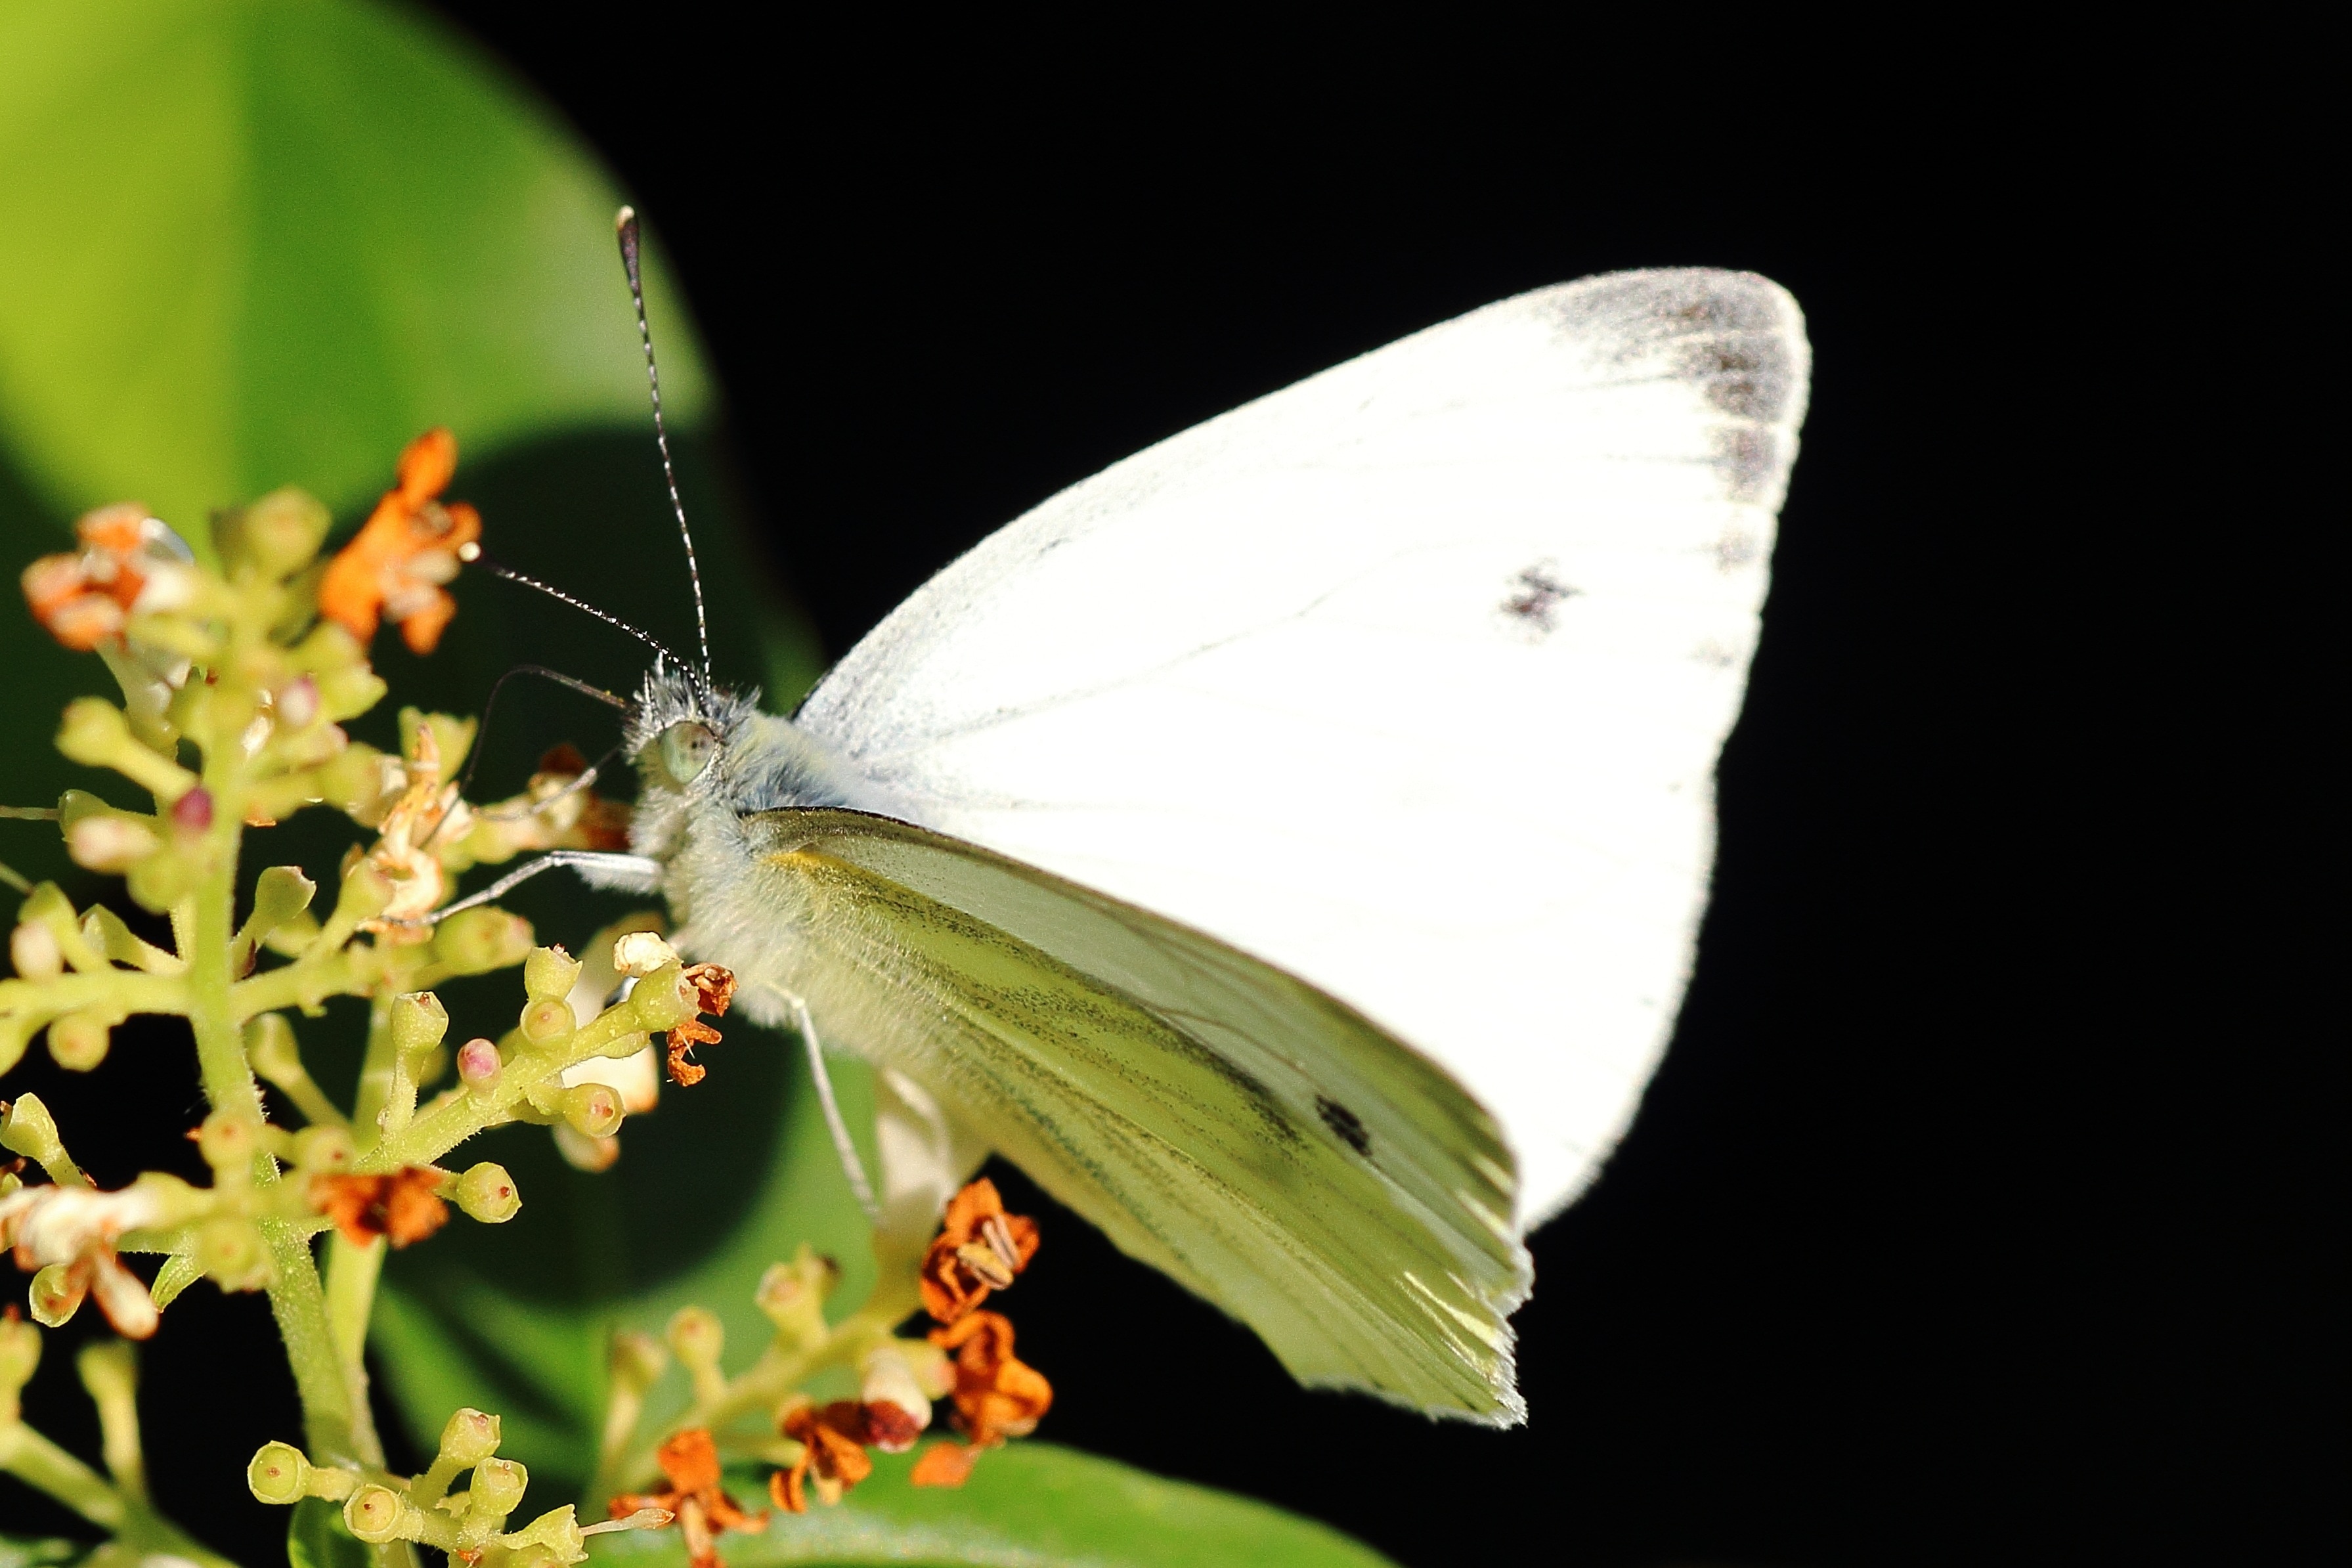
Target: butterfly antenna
(625,226)
(472,554)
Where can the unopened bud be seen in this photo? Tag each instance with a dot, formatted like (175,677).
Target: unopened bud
(592,1110)
(276,536)
(696,1336)
(79,1041)
(109,843)
(498,1485)
(477,1064)
(365,893)
(476,941)
(193,812)
(33,950)
(549,971)
(298,703)
(20,1356)
(232,1254)
(280,893)
(640,953)
(227,1141)
(55,1296)
(375,1513)
(549,1018)
(418,1022)
(93,731)
(279,1474)
(470,1438)
(29,1130)
(324,1150)
(638,1359)
(487,1194)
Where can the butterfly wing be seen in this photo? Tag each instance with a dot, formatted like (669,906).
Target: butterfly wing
(1409,680)
(1261,1143)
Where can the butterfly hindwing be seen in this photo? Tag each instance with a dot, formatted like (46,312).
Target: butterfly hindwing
(1261,1143)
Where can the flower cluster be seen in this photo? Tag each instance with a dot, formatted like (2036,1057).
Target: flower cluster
(236,682)
(819,1451)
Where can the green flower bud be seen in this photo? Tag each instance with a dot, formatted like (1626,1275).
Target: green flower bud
(375,1513)
(487,1194)
(592,1110)
(637,1359)
(94,732)
(33,949)
(351,779)
(550,973)
(498,1485)
(20,1354)
(696,1336)
(556,1533)
(479,941)
(232,1254)
(55,1296)
(279,1474)
(228,1142)
(365,893)
(79,1041)
(160,881)
(29,1130)
(547,1019)
(470,1438)
(279,893)
(418,1022)
(109,843)
(347,687)
(662,1001)
(324,1150)
(275,537)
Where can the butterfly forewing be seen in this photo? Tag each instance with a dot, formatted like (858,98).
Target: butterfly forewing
(1409,680)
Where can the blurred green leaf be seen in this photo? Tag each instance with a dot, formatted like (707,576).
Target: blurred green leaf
(1029,1505)
(48,1551)
(263,242)
(316,1537)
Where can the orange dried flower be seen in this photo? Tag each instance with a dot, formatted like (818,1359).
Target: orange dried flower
(980,1248)
(689,1461)
(833,1454)
(404,1205)
(84,597)
(714,990)
(944,1465)
(996,1395)
(410,545)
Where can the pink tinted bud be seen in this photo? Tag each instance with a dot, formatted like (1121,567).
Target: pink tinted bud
(193,812)
(297,704)
(477,1063)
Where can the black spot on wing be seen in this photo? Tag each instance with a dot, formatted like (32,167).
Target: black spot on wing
(1534,595)
(1345,1125)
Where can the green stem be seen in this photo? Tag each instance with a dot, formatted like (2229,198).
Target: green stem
(351,1275)
(34,1460)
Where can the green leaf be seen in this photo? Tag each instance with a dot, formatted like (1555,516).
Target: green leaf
(317,1539)
(263,242)
(1029,1505)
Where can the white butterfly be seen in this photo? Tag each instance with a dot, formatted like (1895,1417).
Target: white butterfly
(1287,846)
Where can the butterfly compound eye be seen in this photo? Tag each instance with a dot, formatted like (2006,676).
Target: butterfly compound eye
(686,750)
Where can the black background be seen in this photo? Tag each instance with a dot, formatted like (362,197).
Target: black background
(1960,1223)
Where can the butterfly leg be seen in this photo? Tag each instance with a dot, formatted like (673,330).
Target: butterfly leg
(851,1165)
